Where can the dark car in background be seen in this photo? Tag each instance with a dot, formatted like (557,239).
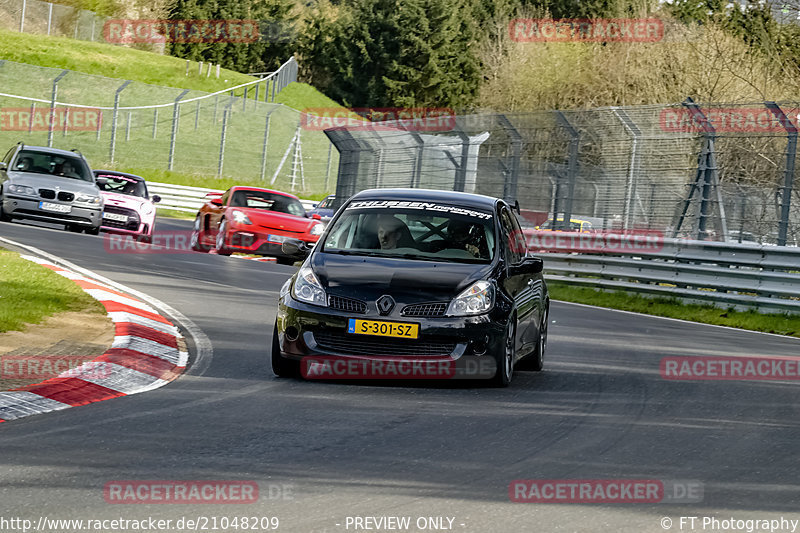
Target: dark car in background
(324,208)
(50,185)
(418,274)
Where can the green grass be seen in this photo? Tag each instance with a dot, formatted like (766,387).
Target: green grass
(29,293)
(142,139)
(112,61)
(782,324)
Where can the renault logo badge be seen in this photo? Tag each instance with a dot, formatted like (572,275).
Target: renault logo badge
(385,304)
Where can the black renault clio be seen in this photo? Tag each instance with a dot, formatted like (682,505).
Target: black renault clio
(420,275)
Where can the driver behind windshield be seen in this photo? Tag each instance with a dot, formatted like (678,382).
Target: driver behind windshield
(389,232)
(466,236)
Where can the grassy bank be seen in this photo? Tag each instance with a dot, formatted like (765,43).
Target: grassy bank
(781,324)
(30,293)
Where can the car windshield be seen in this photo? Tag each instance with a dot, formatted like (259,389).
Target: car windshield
(123,185)
(267,201)
(425,232)
(52,164)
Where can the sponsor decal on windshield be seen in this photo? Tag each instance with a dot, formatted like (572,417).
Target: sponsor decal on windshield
(422,206)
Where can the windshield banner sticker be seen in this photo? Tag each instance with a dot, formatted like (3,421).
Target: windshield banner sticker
(424,206)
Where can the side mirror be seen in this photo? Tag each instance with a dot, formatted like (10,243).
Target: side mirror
(316,216)
(295,248)
(3,165)
(314,205)
(156,198)
(529,266)
(216,201)
(533,265)
(101,181)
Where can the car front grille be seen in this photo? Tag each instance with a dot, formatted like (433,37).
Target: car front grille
(425,310)
(133,218)
(342,343)
(66,196)
(347,304)
(47,194)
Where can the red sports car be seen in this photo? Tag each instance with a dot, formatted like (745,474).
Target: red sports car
(253,221)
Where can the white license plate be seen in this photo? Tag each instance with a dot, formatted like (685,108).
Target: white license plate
(115,216)
(55,208)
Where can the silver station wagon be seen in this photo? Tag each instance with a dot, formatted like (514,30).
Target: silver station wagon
(50,185)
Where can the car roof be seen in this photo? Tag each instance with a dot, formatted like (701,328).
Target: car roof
(244,188)
(46,150)
(428,195)
(117,173)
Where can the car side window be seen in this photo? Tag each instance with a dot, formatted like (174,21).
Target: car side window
(513,240)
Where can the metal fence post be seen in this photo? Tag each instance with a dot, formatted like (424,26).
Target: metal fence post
(49,16)
(328,167)
(788,174)
(264,148)
(173,138)
(33,114)
(22,17)
(633,170)
(572,174)
(155,122)
(197,114)
(225,113)
(53,108)
(114,117)
(512,180)
(128,126)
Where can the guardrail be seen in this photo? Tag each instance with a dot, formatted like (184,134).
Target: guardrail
(189,199)
(744,276)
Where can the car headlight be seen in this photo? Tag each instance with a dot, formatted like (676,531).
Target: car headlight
(316,229)
(240,218)
(88,199)
(307,288)
(476,299)
(21,189)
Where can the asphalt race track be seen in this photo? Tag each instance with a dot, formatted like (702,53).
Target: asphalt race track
(321,452)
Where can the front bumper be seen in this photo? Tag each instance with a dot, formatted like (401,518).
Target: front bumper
(308,330)
(253,242)
(19,207)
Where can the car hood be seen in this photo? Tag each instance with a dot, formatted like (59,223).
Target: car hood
(271,219)
(46,181)
(407,281)
(124,200)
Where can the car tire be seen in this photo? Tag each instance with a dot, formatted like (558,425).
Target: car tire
(220,242)
(3,216)
(73,228)
(535,361)
(145,239)
(505,359)
(93,231)
(196,240)
(282,367)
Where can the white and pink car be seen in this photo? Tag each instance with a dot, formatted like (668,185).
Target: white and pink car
(128,209)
